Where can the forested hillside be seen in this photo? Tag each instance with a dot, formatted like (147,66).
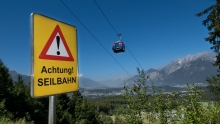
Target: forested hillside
(197,105)
(16,103)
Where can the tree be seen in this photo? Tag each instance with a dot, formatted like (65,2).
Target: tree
(213,25)
(75,99)
(81,110)
(24,106)
(6,86)
(62,107)
(38,109)
(137,100)
(212,22)
(20,106)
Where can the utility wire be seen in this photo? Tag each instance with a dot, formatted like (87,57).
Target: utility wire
(106,17)
(116,31)
(133,56)
(93,36)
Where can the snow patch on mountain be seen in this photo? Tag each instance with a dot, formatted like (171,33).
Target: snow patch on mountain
(189,69)
(185,62)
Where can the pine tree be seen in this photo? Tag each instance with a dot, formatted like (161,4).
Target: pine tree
(62,107)
(37,108)
(212,22)
(81,110)
(6,83)
(6,86)
(75,99)
(20,105)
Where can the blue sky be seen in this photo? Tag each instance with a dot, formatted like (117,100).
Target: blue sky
(155,31)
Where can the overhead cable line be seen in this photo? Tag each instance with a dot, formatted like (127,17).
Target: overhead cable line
(93,36)
(105,17)
(116,31)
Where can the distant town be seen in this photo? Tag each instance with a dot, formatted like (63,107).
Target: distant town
(98,93)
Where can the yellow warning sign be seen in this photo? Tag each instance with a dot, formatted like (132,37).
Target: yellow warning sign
(54,57)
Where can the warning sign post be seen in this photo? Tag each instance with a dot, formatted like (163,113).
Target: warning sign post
(54,58)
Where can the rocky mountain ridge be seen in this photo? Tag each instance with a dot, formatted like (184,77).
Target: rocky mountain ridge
(190,69)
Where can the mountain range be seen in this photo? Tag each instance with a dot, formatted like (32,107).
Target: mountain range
(14,76)
(190,69)
(88,83)
(83,82)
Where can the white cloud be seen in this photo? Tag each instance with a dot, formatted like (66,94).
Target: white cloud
(80,75)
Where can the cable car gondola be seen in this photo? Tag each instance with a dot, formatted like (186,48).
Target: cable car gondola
(118,46)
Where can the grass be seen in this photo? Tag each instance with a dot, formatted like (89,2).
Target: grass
(5,120)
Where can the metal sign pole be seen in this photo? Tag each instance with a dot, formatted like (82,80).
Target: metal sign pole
(52,109)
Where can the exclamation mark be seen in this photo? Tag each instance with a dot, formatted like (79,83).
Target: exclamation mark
(58,44)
